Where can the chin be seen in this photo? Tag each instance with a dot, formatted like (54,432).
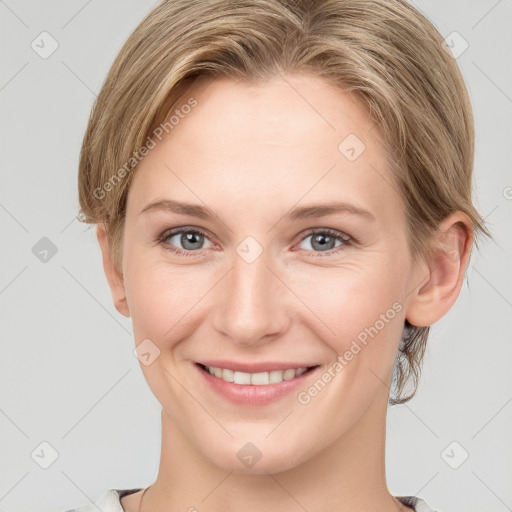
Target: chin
(257,457)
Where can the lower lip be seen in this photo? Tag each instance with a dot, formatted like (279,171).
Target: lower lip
(243,394)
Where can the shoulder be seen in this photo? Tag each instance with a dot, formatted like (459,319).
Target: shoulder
(109,501)
(417,504)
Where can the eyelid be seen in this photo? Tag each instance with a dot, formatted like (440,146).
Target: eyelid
(332,232)
(183,229)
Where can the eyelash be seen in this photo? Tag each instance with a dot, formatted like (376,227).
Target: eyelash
(338,235)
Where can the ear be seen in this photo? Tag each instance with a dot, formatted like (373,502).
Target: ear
(114,276)
(443,273)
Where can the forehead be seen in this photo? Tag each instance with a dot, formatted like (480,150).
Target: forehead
(293,138)
(282,112)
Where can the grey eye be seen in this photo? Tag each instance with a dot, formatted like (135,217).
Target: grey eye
(322,242)
(188,240)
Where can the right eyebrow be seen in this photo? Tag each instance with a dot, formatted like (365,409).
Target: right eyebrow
(193,210)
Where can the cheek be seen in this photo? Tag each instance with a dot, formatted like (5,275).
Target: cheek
(163,299)
(356,311)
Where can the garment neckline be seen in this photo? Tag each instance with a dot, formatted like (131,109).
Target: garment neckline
(418,504)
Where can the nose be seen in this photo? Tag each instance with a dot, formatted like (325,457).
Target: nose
(251,303)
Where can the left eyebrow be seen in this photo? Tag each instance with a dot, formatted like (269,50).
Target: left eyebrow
(320,210)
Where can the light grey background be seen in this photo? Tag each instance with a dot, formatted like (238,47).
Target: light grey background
(68,374)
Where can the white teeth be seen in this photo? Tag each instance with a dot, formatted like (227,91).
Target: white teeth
(228,375)
(288,374)
(241,378)
(260,379)
(275,376)
(257,379)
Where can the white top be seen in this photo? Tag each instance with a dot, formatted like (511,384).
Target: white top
(110,501)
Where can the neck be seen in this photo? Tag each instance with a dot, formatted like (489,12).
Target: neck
(346,476)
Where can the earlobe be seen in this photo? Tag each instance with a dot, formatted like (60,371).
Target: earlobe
(114,276)
(442,281)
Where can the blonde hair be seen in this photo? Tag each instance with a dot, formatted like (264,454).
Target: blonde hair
(384,51)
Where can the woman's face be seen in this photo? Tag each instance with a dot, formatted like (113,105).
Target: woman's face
(266,229)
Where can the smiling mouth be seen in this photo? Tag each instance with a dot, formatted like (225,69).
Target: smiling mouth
(255,379)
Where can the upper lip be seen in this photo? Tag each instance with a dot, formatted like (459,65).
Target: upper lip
(264,366)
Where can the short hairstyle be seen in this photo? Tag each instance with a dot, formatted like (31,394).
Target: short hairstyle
(385,52)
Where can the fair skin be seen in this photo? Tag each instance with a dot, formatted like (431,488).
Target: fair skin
(251,154)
